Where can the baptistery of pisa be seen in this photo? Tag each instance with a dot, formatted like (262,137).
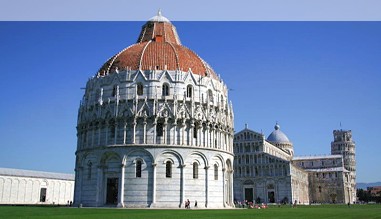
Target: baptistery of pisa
(155,128)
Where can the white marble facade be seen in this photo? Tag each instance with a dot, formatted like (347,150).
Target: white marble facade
(155,136)
(26,187)
(266,170)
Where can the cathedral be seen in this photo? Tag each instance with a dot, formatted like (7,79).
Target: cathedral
(266,170)
(155,128)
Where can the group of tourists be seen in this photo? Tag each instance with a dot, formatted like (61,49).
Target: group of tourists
(187,204)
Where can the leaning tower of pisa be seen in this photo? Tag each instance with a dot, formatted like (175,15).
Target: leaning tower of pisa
(345,146)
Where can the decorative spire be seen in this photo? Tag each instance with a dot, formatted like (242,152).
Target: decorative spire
(159,29)
(276,127)
(159,18)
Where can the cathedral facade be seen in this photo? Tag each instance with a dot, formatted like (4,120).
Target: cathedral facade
(155,128)
(266,170)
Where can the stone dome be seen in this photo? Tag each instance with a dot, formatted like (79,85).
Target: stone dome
(158,48)
(277,136)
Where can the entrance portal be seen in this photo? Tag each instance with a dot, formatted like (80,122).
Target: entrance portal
(112,191)
(271,196)
(249,194)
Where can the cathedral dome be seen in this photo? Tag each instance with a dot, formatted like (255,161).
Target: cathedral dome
(158,48)
(277,136)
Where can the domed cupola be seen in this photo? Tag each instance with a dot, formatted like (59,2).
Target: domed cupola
(158,48)
(279,139)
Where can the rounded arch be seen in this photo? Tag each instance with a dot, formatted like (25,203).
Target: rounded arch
(85,158)
(220,159)
(139,88)
(140,151)
(89,163)
(189,91)
(109,155)
(124,160)
(174,153)
(168,160)
(229,165)
(45,183)
(199,154)
(248,182)
(165,89)
(196,161)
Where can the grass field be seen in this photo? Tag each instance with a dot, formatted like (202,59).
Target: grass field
(284,212)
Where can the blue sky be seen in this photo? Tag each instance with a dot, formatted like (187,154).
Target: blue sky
(308,76)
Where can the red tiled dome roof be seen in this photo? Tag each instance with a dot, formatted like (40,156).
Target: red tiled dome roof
(158,47)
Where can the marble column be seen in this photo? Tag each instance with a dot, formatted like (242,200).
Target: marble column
(99,133)
(182,180)
(223,186)
(174,125)
(121,187)
(191,134)
(145,130)
(92,134)
(107,132)
(99,191)
(183,125)
(154,183)
(115,131)
(154,133)
(78,186)
(133,130)
(124,131)
(165,131)
(206,186)
(206,136)
(231,187)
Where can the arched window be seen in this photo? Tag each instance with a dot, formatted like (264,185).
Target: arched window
(195,170)
(210,96)
(189,90)
(114,90)
(138,169)
(112,130)
(159,129)
(168,169)
(139,89)
(320,189)
(165,90)
(43,195)
(89,165)
(216,172)
(195,131)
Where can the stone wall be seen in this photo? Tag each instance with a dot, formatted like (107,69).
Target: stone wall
(27,190)
(153,188)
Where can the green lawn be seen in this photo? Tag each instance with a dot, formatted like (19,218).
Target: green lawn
(284,212)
